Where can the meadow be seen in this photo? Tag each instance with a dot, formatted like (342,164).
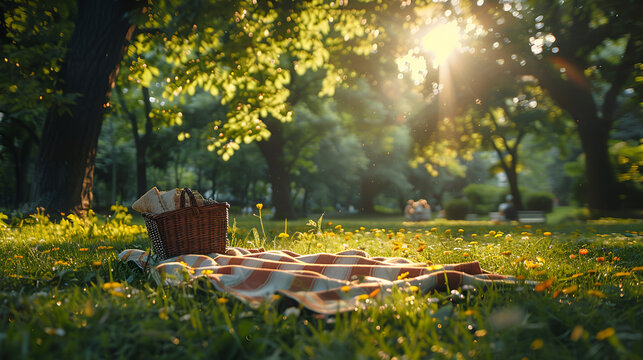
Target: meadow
(64,293)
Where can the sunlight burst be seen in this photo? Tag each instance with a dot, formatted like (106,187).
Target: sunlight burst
(441,41)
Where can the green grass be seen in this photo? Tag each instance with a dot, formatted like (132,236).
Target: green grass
(54,302)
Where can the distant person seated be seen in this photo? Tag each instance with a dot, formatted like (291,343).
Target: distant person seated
(422,210)
(507,209)
(409,210)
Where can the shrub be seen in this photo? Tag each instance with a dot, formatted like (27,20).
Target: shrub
(483,198)
(543,201)
(457,209)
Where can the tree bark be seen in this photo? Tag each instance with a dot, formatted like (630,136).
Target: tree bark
(272,150)
(369,189)
(593,131)
(64,174)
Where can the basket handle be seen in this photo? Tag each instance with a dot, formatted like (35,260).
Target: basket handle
(190,195)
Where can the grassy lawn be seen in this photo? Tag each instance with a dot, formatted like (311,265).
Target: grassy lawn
(59,297)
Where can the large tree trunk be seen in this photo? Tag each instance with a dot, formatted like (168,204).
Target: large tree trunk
(369,189)
(602,187)
(278,174)
(65,165)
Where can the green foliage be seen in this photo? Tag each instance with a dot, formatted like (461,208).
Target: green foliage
(457,209)
(483,198)
(121,215)
(542,201)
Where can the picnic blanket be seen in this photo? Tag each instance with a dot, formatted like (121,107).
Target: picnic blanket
(324,283)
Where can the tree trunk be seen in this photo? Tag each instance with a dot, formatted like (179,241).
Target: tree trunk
(278,174)
(64,174)
(602,188)
(21,162)
(369,189)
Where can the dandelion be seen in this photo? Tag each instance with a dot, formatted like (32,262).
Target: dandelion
(529,264)
(458,239)
(403,275)
(111,285)
(274,297)
(544,285)
(596,293)
(537,344)
(413,288)
(465,254)
(83,249)
(337,227)
(638,268)
(435,267)
(362,297)
(222,300)
(492,232)
(474,235)
(620,274)
(97,263)
(570,290)
(616,258)
(434,229)
(259,206)
(577,333)
(461,231)
(604,334)
(600,259)
(207,272)
(345,288)
(283,235)
(447,231)
(447,252)
(547,233)
(527,226)
(583,251)
(473,243)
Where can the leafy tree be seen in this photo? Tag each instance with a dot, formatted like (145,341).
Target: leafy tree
(584,54)
(64,172)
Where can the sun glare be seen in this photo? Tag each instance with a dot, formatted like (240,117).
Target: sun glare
(441,41)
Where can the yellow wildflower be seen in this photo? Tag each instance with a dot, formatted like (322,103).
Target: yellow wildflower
(260,206)
(537,344)
(604,334)
(570,290)
(345,288)
(222,300)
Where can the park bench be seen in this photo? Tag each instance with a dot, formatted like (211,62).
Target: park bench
(524,216)
(531,217)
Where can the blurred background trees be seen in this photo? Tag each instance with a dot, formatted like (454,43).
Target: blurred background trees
(314,106)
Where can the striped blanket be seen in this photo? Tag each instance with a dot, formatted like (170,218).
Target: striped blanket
(323,283)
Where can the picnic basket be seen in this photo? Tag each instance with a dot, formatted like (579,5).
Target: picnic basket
(189,229)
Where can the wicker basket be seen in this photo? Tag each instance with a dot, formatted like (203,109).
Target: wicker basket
(189,230)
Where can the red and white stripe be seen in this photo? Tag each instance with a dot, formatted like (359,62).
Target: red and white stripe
(317,281)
